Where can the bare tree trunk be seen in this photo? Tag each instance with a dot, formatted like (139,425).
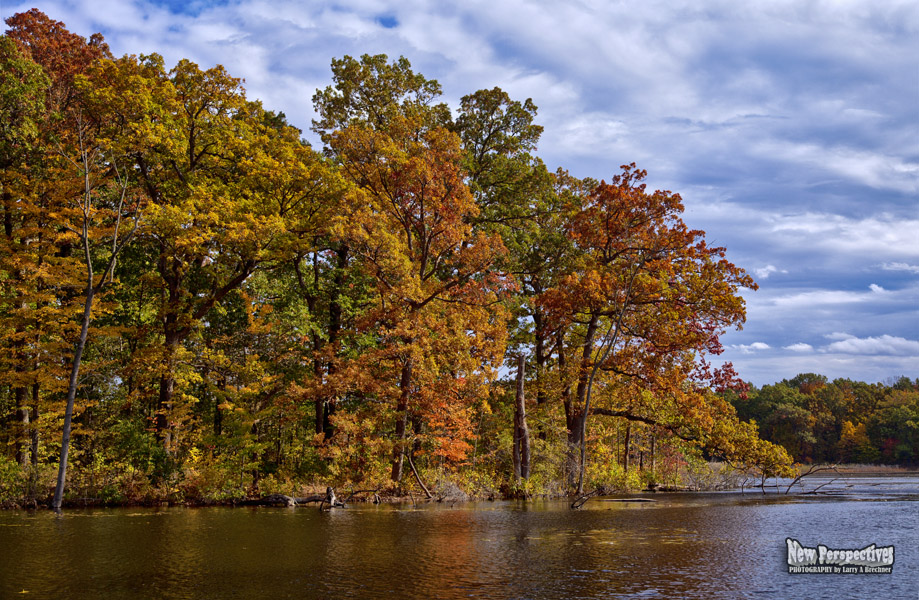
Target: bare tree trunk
(521,431)
(539,355)
(401,421)
(411,464)
(72,394)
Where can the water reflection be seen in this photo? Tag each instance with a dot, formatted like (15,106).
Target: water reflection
(690,546)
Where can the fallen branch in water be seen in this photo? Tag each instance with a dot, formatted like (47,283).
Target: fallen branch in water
(284,500)
(332,501)
(814,491)
(813,469)
(581,500)
(279,500)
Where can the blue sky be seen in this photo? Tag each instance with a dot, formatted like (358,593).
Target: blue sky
(791,129)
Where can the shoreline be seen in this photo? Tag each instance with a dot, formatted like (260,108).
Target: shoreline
(454,495)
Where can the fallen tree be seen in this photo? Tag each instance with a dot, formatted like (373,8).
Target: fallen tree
(283,500)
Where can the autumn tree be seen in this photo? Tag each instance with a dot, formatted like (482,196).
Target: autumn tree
(519,200)
(59,175)
(223,180)
(23,87)
(643,303)
(411,230)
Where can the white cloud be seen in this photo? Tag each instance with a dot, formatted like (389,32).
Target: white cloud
(900,266)
(751,348)
(879,235)
(839,335)
(819,298)
(765,272)
(873,169)
(799,347)
(882,345)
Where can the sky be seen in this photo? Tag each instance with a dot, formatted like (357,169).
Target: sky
(789,128)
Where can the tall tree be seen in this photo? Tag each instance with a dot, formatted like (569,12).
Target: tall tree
(412,236)
(23,87)
(218,209)
(411,229)
(646,300)
(518,199)
(44,213)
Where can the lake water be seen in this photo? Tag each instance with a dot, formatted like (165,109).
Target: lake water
(723,545)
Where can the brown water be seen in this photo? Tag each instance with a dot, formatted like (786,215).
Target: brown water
(679,546)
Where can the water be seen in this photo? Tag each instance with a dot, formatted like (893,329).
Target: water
(681,545)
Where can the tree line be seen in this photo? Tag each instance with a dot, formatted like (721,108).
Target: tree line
(840,421)
(197,304)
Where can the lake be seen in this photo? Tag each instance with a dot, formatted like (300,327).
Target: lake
(717,545)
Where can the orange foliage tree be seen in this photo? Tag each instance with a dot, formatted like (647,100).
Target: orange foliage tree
(434,327)
(643,302)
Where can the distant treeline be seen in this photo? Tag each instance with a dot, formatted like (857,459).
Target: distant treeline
(840,421)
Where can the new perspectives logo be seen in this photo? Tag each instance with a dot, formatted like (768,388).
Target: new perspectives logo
(870,559)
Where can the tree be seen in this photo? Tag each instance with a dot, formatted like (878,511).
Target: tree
(23,85)
(71,154)
(412,236)
(374,93)
(85,158)
(410,229)
(519,200)
(218,211)
(521,431)
(644,301)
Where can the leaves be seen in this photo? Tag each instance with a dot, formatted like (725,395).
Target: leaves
(331,315)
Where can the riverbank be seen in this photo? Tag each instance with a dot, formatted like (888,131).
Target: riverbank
(714,477)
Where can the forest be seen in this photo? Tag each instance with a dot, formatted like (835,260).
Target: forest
(198,306)
(840,421)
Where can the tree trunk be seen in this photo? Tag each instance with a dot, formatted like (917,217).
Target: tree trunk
(164,407)
(653,462)
(401,421)
(521,432)
(539,355)
(22,425)
(335,323)
(33,451)
(583,389)
(571,418)
(72,394)
(167,387)
(218,412)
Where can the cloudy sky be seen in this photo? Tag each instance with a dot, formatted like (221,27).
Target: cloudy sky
(791,129)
